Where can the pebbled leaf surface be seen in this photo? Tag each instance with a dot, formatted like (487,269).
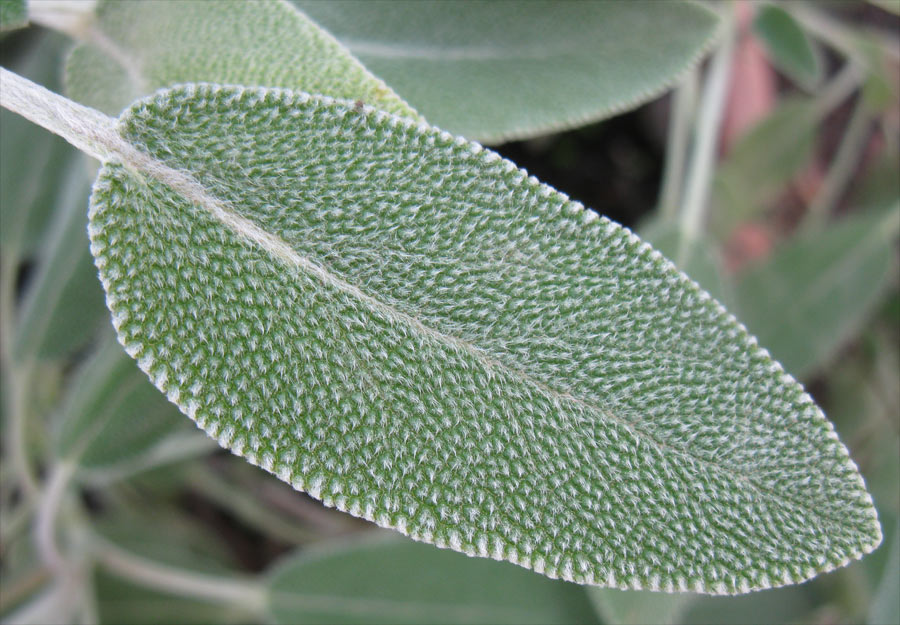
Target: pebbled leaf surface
(408,327)
(497,71)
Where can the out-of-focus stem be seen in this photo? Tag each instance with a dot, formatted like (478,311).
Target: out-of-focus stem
(842,167)
(681,118)
(709,122)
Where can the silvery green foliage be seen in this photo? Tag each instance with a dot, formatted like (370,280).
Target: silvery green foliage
(411,329)
(134,48)
(495,71)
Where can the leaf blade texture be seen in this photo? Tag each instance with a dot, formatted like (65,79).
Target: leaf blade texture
(411,329)
(135,48)
(562,64)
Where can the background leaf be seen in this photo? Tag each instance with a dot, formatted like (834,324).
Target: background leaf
(814,293)
(64,306)
(494,71)
(789,49)
(142,46)
(13,14)
(633,607)
(761,164)
(114,419)
(400,581)
(30,159)
(886,605)
(409,328)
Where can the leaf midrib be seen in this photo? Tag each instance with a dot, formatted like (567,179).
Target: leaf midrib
(184,183)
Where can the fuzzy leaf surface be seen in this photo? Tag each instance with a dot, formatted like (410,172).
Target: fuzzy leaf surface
(495,71)
(138,47)
(409,328)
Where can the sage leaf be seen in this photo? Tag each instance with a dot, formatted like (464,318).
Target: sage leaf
(762,162)
(392,581)
(135,48)
(409,328)
(635,607)
(815,293)
(703,264)
(788,47)
(13,14)
(27,193)
(562,64)
(885,607)
(114,423)
(63,308)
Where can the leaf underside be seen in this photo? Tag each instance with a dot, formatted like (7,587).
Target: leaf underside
(409,328)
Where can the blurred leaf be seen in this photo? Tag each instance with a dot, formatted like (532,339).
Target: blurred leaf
(529,382)
(142,46)
(814,294)
(114,419)
(164,539)
(495,71)
(393,581)
(894,7)
(704,265)
(881,185)
(885,608)
(772,607)
(636,607)
(759,166)
(789,49)
(32,158)
(121,602)
(64,306)
(881,84)
(13,14)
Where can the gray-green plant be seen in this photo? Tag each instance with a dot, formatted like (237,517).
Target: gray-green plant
(404,325)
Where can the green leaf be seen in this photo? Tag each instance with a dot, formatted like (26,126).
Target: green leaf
(495,71)
(139,47)
(704,263)
(392,581)
(814,294)
(762,163)
(789,49)
(114,423)
(32,158)
(163,539)
(885,608)
(784,605)
(64,306)
(888,5)
(13,14)
(408,327)
(635,607)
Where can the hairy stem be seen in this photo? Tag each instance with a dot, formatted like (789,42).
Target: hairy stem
(87,129)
